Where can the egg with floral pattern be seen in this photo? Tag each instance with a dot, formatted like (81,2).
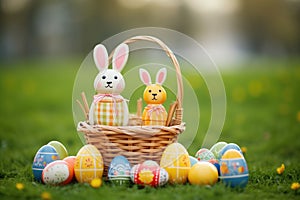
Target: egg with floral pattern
(233,169)
(175,160)
(88,164)
(150,175)
(45,155)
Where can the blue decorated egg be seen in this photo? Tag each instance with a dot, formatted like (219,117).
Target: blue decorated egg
(229,146)
(215,162)
(233,169)
(119,171)
(45,155)
(193,160)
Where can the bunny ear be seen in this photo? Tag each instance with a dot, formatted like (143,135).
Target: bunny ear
(145,77)
(120,57)
(161,76)
(100,57)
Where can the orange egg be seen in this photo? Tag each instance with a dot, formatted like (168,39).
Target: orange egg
(71,161)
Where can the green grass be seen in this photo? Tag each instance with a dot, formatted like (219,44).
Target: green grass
(263,111)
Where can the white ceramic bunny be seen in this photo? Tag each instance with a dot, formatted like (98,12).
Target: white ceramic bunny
(108,106)
(154,95)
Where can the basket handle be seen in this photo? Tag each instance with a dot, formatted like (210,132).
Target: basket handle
(170,54)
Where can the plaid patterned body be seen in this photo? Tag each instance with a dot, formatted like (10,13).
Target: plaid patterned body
(109,111)
(154,114)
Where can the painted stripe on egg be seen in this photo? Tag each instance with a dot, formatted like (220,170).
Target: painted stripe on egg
(39,169)
(233,159)
(235,176)
(48,153)
(88,170)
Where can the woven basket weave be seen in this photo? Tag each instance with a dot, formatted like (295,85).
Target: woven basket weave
(135,141)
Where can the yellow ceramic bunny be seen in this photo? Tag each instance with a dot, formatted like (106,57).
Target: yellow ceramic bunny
(154,95)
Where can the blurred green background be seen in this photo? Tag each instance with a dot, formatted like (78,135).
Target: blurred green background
(230,30)
(256,45)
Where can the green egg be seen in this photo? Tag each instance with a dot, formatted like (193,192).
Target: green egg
(60,149)
(216,148)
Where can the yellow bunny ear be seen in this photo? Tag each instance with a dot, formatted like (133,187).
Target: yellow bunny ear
(145,76)
(161,76)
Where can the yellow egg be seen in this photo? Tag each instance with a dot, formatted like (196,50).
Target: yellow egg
(175,160)
(203,173)
(88,164)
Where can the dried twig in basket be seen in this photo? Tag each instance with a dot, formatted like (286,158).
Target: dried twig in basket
(172,109)
(84,107)
(85,103)
(139,107)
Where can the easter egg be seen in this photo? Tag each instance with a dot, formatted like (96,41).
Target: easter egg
(60,149)
(216,148)
(150,163)
(58,172)
(204,155)
(233,169)
(133,171)
(71,161)
(203,173)
(193,160)
(215,162)
(88,164)
(175,160)
(45,155)
(229,146)
(119,171)
(149,175)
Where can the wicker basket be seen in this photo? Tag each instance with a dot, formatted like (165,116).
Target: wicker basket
(135,141)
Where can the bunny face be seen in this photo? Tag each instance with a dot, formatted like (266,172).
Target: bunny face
(154,93)
(110,81)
